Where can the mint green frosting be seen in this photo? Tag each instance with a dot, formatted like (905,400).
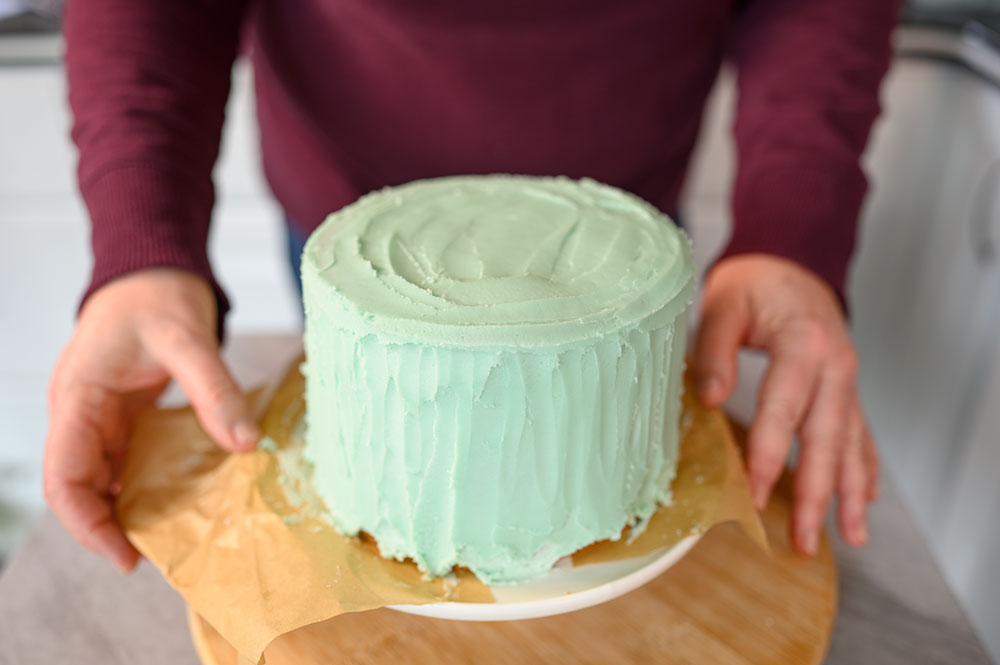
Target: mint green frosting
(494,367)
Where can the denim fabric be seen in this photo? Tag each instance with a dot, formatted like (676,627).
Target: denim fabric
(294,242)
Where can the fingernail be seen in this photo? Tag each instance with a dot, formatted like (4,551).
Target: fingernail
(246,433)
(759,494)
(708,386)
(810,542)
(861,535)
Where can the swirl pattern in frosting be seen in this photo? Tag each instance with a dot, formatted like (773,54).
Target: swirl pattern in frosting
(501,259)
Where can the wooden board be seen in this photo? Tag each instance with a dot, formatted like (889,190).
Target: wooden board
(725,603)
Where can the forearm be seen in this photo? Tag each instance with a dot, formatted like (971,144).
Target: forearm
(148,83)
(809,73)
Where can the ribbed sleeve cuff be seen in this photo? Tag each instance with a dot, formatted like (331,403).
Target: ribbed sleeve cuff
(144,217)
(803,215)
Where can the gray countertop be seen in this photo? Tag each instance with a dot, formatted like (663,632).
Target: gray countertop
(61,604)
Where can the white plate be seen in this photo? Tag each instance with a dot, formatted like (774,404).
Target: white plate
(563,589)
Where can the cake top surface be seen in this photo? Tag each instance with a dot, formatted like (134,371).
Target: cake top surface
(510,260)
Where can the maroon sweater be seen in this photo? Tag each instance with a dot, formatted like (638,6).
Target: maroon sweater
(353,95)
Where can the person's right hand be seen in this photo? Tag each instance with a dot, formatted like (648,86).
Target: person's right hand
(133,335)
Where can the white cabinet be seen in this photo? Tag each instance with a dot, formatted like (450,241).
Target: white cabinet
(925,297)
(925,293)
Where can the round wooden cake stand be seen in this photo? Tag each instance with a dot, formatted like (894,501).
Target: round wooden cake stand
(726,602)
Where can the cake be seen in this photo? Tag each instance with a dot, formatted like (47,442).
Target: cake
(493,368)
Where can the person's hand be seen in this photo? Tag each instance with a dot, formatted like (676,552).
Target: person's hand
(133,335)
(768,303)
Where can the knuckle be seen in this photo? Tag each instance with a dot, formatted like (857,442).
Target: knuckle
(844,363)
(871,459)
(874,463)
(766,471)
(217,391)
(811,497)
(61,378)
(815,438)
(48,491)
(83,394)
(51,489)
(86,536)
(868,439)
(828,426)
(853,477)
(823,453)
(766,461)
(175,335)
(852,486)
(54,391)
(782,414)
(815,337)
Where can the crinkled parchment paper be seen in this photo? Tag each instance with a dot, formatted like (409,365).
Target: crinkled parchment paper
(247,547)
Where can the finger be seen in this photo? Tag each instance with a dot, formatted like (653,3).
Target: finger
(77,476)
(871,459)
(853,482)
(785,393)
(195,364)
(89,518)
(823,435)
(720,333)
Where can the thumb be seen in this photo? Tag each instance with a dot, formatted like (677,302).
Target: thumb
(193,361)
(720,333)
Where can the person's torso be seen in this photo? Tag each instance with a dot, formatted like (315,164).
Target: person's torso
(358,94)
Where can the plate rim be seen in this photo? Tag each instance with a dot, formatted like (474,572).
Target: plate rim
(561,604)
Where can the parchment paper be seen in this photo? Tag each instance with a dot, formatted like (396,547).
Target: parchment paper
(247,547)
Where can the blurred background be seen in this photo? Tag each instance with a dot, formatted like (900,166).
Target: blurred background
(925,286)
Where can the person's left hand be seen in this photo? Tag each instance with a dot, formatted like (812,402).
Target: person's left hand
(772,304)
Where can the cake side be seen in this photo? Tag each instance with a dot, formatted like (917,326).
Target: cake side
(476,441)
(495,459)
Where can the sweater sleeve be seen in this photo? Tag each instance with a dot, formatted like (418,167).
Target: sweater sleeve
(808,75)
(148,83)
